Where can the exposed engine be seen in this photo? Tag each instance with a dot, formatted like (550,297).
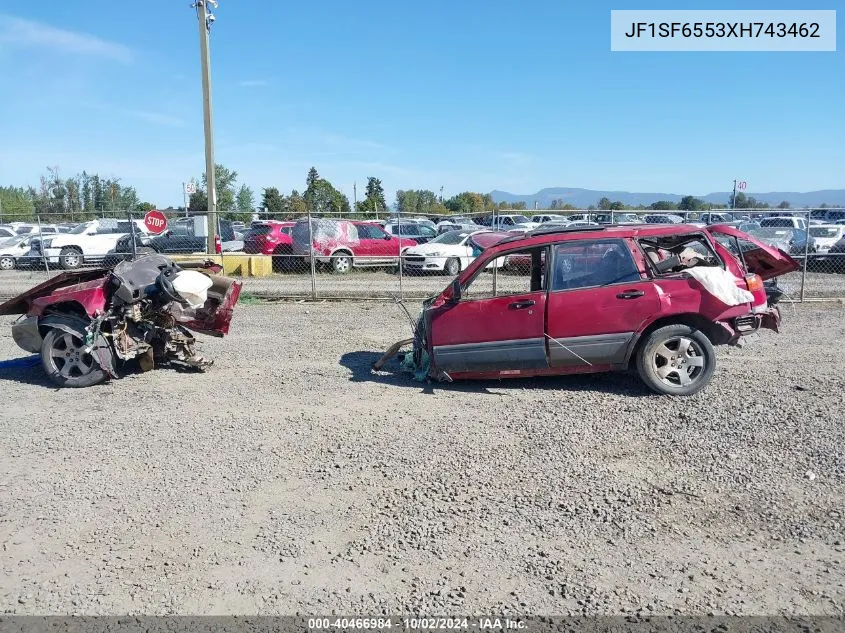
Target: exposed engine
(86,324)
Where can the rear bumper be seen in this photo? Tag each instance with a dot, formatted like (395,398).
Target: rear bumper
(768,319)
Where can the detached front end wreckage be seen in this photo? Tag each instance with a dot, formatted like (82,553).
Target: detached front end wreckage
(653,299)
(88,324)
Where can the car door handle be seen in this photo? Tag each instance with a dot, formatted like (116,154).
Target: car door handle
(630,294)
(521,305)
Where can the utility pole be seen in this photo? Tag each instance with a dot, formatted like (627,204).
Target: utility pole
(733,198)
(205,20)
(355,197)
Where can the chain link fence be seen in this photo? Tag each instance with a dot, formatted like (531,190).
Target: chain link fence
(388,257)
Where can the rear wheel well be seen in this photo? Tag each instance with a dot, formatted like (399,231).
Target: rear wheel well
(712,331)
(342,251)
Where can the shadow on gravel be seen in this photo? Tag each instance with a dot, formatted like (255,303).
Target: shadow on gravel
(26,376)
(618,383)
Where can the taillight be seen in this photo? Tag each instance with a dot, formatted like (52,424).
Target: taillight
(754,283)
(218,245)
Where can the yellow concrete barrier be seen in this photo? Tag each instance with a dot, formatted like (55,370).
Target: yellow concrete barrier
(233,263)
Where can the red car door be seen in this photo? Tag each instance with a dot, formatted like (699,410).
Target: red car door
(368,249)
(599,298)
(498,326)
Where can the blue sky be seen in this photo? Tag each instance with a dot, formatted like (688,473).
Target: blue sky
(465,95)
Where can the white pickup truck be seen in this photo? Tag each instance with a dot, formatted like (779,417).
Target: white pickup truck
(87,243)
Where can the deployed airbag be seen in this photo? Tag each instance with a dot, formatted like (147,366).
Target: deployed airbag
(721,284)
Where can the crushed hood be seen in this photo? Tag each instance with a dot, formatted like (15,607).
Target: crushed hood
(22,303)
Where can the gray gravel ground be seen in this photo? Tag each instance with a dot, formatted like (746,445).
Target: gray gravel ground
(288,478)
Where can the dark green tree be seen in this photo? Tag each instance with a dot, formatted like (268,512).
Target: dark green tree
(691,203)
(245,200)
(322,198)
(272,201)
(373,202)
(663,205)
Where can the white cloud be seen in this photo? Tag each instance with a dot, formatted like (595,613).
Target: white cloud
(254,83)
(27,33)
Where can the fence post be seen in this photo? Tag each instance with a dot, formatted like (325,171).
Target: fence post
(132,233)
(401,263)
(806,259)
(41,243)
(311,257)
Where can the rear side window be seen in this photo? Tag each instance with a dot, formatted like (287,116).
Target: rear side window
(259,230)
(590,263)
(675,253)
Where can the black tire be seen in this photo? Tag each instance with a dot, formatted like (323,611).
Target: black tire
(66,363)
(283,260)
(7,263)
(341,263)
(452,267)
(668,360)
(70,258)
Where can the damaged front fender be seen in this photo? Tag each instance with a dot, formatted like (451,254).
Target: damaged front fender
(97,345)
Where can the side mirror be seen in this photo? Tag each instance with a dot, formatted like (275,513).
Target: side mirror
(388,236)
(456,291)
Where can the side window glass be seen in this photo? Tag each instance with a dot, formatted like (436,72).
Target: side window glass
(516,273)
(585,264)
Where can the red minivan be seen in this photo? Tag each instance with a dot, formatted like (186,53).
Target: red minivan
(654,298)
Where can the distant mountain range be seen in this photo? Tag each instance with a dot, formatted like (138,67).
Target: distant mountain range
(582,198)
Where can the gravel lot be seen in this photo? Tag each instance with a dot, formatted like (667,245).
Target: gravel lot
(288,478)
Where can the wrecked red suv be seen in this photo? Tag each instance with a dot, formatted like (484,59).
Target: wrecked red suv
(654,298)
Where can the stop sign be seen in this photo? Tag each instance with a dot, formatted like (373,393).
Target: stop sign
(155,221)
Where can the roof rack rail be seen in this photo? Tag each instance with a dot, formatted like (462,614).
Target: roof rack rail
(565,229)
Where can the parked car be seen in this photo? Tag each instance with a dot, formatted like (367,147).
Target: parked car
(448,253)
(605,310)
(549,217)
(272,238)
(345,244)
(789,240)
(825,237)
(626,218)
(445,227)
(710,217)
(452,220)
(190,235)
(7,232)
(417,231)
(17,252)
(269,238)
(833,216)
(743,225)
(184,236)
(510,221)
(663,218)
(87,243)
(784,222)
